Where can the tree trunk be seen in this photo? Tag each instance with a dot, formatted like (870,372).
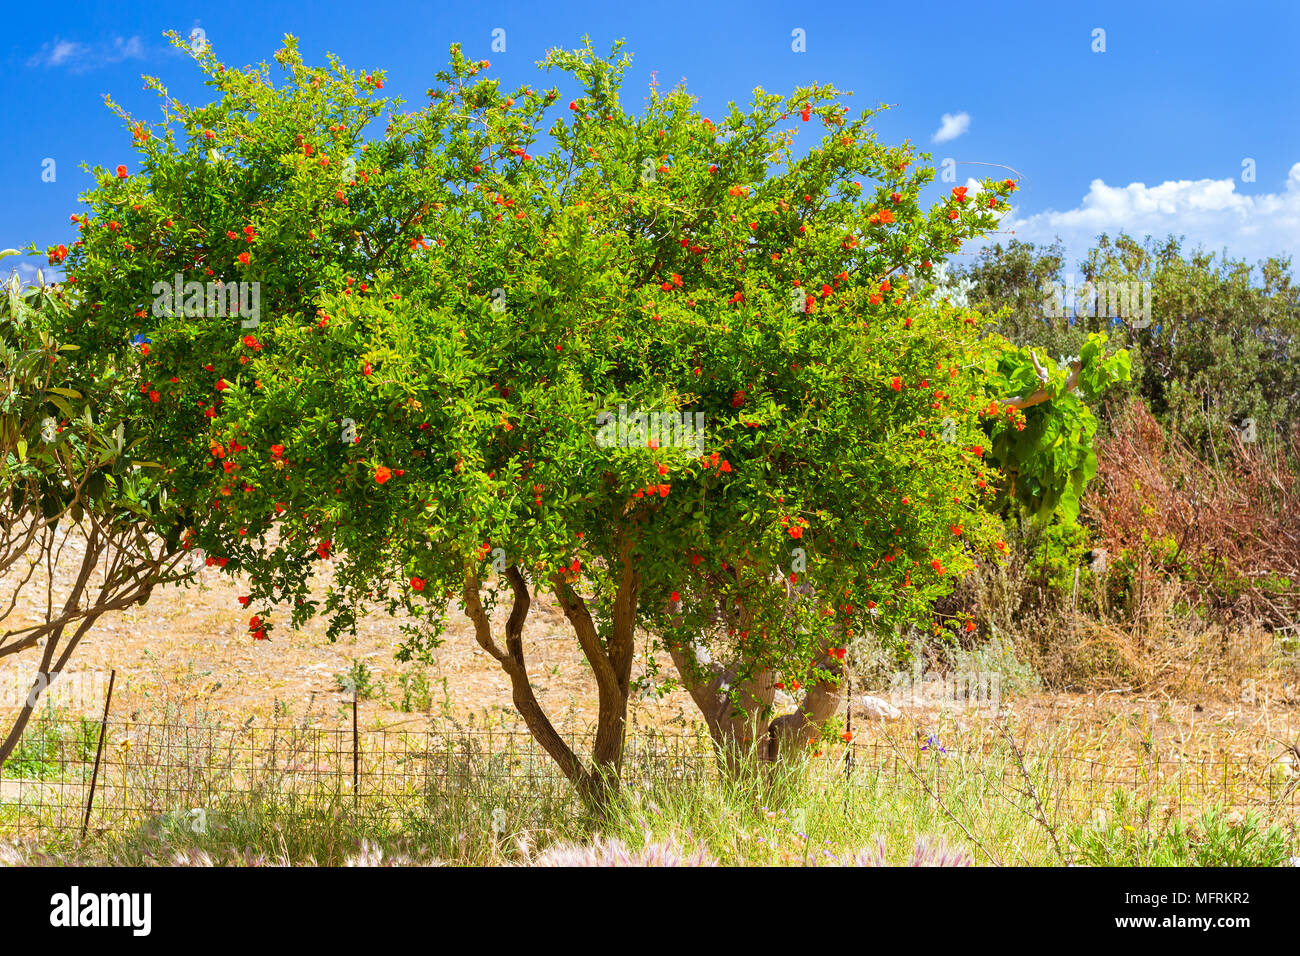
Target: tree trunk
(611,662)
(512,662)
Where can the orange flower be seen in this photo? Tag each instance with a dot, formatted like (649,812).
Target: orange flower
(382,474)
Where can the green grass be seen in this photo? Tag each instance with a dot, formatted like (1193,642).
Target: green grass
(485,796)
(51,746)
(1129,836)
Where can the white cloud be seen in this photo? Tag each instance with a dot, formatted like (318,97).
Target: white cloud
(30,271)
(1208,212)
(129,49)
(56,53)
(951,126)
(79,57)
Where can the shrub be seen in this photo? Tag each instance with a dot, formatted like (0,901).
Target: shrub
(1219,348)
(1214,838)
(76,499)
(460,331)
(1222,529)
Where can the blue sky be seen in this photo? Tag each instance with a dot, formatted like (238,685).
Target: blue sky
(1148,136)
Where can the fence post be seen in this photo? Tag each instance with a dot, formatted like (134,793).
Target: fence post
(356,753)
(848,723)
(99,750)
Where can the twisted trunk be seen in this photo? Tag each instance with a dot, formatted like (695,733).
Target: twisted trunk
(596,781)
(739,730)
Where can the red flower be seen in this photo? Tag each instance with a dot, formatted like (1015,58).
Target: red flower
(154,396)
(796,532)
(959,193)
(805,113)
(382,474)
(674,596)
(243,258)
(277,451)
(367,369)
(121,172)
(896,384)
(937,566)
(323,549)
(417,584)
(254,622)
(221,385)
(738,398)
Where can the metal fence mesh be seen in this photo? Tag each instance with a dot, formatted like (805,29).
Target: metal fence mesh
(148,770)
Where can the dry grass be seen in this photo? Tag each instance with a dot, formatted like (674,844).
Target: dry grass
(1011,787)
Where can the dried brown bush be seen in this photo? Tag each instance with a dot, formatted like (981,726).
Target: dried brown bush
(1228,528)
(1200,592)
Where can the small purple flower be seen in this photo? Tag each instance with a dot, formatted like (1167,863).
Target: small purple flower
(933,741)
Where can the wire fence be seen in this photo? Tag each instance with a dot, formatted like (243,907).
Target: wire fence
(153,774)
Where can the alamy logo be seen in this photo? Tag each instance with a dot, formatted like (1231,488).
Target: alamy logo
(650,430)
(1130,301)
(980,690)
(103,909)
(213,300)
